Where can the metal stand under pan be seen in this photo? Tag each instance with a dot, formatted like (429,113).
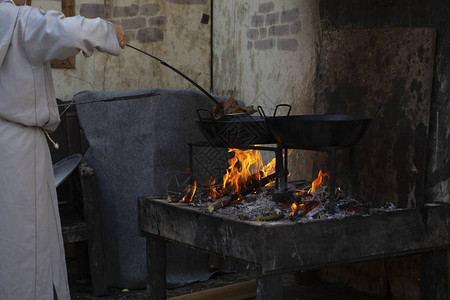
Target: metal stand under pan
(283,194)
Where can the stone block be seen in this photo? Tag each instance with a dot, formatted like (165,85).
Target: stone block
(265,44)
(266,7)
(279,30)
(287,44)
(91,10)
(262,33)
(149,9)
(125,11)
(249,45)
(272,19)
(296,27)
(257,21)
(150,34)
(130,35)
(289,16)
(252,34)
(134,23)
(157,21)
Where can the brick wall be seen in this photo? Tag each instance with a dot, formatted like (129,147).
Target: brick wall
(270,29)
(143,23)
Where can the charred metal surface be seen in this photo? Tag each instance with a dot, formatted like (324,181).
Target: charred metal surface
(185,225)
(347,14)
(363,69)
(279,247)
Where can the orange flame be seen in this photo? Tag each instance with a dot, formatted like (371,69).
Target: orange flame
(318,181)
(189,192)
(245,166)
(293,208)
(213,192)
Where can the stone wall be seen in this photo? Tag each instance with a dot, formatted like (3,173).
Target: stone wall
(264,52)
(141,22)
(176,31)
(270,28)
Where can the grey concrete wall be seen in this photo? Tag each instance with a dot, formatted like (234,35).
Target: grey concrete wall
(136,148)
(265,53)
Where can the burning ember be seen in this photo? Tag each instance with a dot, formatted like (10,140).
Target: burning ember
(247,184)
(189,192)
(318,181)
(245,168)
(246,174)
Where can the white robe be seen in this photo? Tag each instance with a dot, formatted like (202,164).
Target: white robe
(32,259)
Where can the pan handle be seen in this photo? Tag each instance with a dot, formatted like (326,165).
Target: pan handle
(280,105)
(261,111)
(203,110)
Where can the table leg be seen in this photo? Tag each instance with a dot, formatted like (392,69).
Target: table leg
(268,287)
(433,277)
(332,157)
(156,267)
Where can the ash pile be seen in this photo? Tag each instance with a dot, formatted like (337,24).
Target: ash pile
(247,192)
(303,202)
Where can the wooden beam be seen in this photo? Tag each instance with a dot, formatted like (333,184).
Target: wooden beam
(92,218)
(237,291)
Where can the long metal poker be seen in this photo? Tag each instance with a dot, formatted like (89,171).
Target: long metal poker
(140,96)
(147,95)
(179,73)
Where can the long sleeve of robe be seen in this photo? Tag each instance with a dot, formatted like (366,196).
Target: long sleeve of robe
(32,260)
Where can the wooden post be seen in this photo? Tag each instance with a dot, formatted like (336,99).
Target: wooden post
(433,277)
(268,287)
(92,217)
(156,268)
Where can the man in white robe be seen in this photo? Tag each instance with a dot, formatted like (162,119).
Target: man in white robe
(32,261)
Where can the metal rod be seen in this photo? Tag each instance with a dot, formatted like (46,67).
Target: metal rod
(191,163)
(179,73)
(279,167)
(352,167)
(332,157)
(285,171)
(120,98)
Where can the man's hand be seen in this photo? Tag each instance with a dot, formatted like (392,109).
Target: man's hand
(120,33)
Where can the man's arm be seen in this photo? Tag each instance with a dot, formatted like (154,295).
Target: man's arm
(50,35)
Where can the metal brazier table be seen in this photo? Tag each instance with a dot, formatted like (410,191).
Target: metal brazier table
(284,246)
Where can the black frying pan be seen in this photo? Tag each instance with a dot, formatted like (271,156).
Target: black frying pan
(318,131)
